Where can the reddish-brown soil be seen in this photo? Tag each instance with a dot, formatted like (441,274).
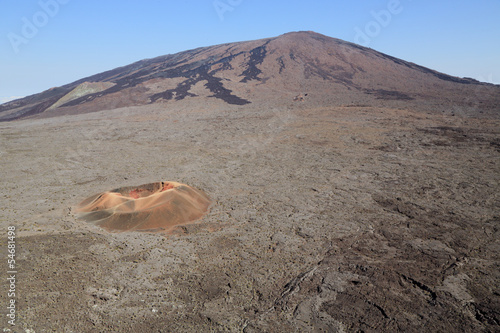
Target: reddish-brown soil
(155,207)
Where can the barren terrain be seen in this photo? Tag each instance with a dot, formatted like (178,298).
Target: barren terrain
(348,211)
(335,218)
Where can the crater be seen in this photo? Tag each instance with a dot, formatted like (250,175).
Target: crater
(154,207)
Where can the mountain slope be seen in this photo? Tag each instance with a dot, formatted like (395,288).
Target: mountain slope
(274,70)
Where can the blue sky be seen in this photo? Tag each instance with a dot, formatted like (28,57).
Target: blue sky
(48,43)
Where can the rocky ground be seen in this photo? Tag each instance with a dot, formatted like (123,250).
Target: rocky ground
(339,219)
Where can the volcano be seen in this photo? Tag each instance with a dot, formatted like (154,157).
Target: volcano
(330,71)
(332,188)
(154,207)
